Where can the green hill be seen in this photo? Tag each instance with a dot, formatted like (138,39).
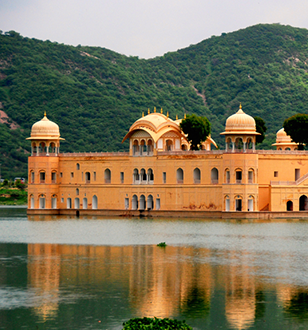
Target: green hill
(94,94)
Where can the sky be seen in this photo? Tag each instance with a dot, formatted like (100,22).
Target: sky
(144,28)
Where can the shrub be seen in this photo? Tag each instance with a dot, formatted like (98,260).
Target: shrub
(155,324)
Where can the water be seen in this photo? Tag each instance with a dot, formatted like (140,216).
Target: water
(96,273)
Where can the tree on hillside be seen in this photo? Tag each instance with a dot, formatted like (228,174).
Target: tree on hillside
(260,128)
(297,127)
(197,129)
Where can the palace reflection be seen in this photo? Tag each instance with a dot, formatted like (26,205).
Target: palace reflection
(161,282)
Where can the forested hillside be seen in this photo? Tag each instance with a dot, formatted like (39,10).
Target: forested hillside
(94,94)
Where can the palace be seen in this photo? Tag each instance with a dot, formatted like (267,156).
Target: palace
(160,176)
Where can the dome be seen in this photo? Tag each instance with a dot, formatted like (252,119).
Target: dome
(240,122)
(282,137)
(45,129)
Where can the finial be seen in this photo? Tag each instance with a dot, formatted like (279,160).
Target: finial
(148,111)
(184,115)
(161,110)
(44,113)
(240,105)
(167,114)
(154,109)
(142,113)
(176,117)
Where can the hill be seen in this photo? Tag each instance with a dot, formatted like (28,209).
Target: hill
(94,94)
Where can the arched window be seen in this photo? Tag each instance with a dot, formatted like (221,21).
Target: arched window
(238,175)
(184,147)
(197,176)
(250,176)
(238,203)
(287,149)
(249,143)
(77,166)
(142,202)
(42,177)
(227,175)
(77,191)
(135,147)
(227,203)
(54,177)
(94,202)
(169,145)
(150,204)
(179,176)
(69,203)
(31,202)
(42,202)
(143,176)
(150,147)
(31,177)
(214,175)
(42,147)
(135,202)
(142,147)
(238,144)
(107,175)
(150,175)
(289,206)
(52,148)
(250,204)
(85,203)
(303,203)
(76,203)
(54,202)
(229,144)
(136,176)
(88,177)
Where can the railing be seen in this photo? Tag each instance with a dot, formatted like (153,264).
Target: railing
(88,181)
(190,152)
(227,180)
(94,154)
(214,181)
(107,180)
(53,181)
(283,183)
(179,181)
(197,181)
(42,181)
(250,180)
(238,181)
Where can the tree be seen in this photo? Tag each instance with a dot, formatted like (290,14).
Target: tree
(197,129)
(260,128)
(297,127)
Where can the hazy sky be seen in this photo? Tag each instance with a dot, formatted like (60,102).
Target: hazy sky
(144,28)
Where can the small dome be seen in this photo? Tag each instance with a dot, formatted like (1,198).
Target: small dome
(282,137)
(45,128)
(240,122)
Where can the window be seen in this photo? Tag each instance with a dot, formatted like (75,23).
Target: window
(136,176)
(31,202)
(61,175)
(157,203)
(69,203)
(143,176)
(107,175)
(238,204)
(42,177)
(126,203)
(169,146)
(53,177)
(54,202)
(275,174)
(85,203)
(122,177)
(150,175)
(227,176)
(214,176)
(88,177)
(62,200)
(250,176)
(297,173)
(197,176)
(94,176)
(77,192)
(164,177)
(76,203)
(227,204)
(238,176)
(32,177)
(42,202)
(179,176)
(94,202)
(77,167)
(72,175)
(289,206)
(150,203)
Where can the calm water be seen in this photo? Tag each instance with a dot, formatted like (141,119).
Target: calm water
(96,273)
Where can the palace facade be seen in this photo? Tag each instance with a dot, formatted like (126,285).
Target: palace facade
(160,176)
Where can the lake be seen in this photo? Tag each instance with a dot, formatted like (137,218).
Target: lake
(95,273)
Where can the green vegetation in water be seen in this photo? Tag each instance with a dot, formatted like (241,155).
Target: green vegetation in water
(155,324)
(95,94)
(162,244)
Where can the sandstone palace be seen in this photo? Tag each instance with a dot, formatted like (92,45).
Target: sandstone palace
(161,176)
